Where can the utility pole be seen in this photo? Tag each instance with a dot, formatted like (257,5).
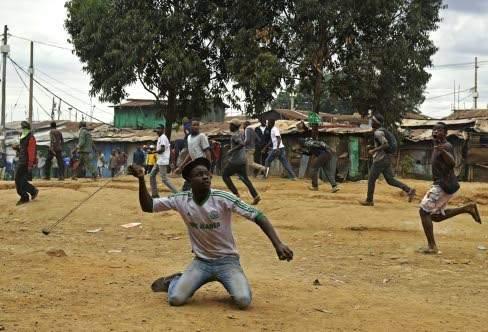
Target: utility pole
(31,83)
(475,95)
(53,107)
(59,109)
(459,91)
(4,49)
(69,113)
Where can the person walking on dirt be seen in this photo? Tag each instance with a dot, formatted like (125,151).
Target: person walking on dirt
(27,159)
(100,163)
(207,214)
(325,157)
(277,151)
(161,167)
(385,145)
(139,157)
(198,147)
(85,148)
(433,205)
(237,163)
(263,134)
(250,141)
(55,151)
(113,163)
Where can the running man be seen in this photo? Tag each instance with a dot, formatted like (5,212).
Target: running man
(324,157)
(382,162)
(434,203)
(163,150)
(237,163)
(207,214)
(278,151)
(250,142)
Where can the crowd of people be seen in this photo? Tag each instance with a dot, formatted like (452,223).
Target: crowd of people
(207,212)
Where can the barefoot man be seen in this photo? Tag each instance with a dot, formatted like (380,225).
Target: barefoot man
(433,205)
(207,215)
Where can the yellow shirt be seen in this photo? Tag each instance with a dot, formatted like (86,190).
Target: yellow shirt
(151,159)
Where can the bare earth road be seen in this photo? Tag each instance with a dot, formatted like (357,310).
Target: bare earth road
(369,277)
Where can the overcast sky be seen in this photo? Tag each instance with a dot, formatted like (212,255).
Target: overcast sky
(461,37)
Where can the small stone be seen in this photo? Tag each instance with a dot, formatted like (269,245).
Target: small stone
(316,282)
(56,253)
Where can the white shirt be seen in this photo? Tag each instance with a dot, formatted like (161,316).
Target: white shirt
(209,224)
(275,132)
(163,158)
(197,145)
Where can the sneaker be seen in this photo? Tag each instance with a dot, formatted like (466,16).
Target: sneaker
(293,179)
(411,194)
(22,201)
(256,200)
(366,203)
(475,213)
(34,195)
(313,188)
(335,189)
(162,284)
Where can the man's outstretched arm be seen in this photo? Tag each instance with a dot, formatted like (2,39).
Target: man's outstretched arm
(145,199)
(282,250)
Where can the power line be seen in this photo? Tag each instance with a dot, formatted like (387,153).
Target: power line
(35,99)
(55,95)
(42,43)
(447,94)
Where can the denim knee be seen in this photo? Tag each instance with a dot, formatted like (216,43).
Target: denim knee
(242,301)
(176,300)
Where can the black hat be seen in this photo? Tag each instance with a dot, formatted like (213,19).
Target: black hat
(25,125)
(194,163)
(159,126)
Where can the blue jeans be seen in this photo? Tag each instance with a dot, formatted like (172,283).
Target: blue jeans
(284,161)
(226,270)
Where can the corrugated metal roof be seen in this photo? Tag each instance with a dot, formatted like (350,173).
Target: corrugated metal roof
(468,114)
(419,135)
(407,123)
(481,126)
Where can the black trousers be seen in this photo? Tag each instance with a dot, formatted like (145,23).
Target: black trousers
(240,170)
(379,167)
(24,188)
(59,159)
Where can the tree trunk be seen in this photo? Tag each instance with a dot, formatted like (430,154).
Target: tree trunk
(171,113)
(317,91)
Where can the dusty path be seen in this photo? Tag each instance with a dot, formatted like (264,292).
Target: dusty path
(364,259)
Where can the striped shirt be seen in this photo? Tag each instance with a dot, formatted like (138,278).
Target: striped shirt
(209,224)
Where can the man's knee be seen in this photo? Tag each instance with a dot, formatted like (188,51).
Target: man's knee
(243,301)
(176,300)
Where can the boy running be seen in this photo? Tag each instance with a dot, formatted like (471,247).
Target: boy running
(382,163)
(207,215)
(433,205)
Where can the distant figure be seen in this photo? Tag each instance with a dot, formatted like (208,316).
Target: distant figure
(100,163)
(263,134)
(74,163)
(113,162)
(27,159)
(3,165)
(85,148)
(41,164)
(277,151)
(55,150)
(161,167)
(433,205)
(151,158)
(186,127)
(139,157)
(385,144)
(122,162)
(250,141)
(237,163)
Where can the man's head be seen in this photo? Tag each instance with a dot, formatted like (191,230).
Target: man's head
(53,124)
(195,127)
(82,124)
(234,125)
(271,123)
(377,121)
(25,125)
(246,124)
(197,172)
(160,129)
(439,132)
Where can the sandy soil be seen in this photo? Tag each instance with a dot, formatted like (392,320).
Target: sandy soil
(369,275)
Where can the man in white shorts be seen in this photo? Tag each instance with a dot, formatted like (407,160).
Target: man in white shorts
(433,205)
(207,214)
(163,151)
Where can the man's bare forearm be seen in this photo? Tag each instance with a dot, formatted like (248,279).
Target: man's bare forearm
(145,199)
(268,229)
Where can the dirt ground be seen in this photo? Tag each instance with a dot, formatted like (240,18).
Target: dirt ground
(369,276)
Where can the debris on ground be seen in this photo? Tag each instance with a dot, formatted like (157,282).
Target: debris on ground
(131,224)
(96,230)
(56,253)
